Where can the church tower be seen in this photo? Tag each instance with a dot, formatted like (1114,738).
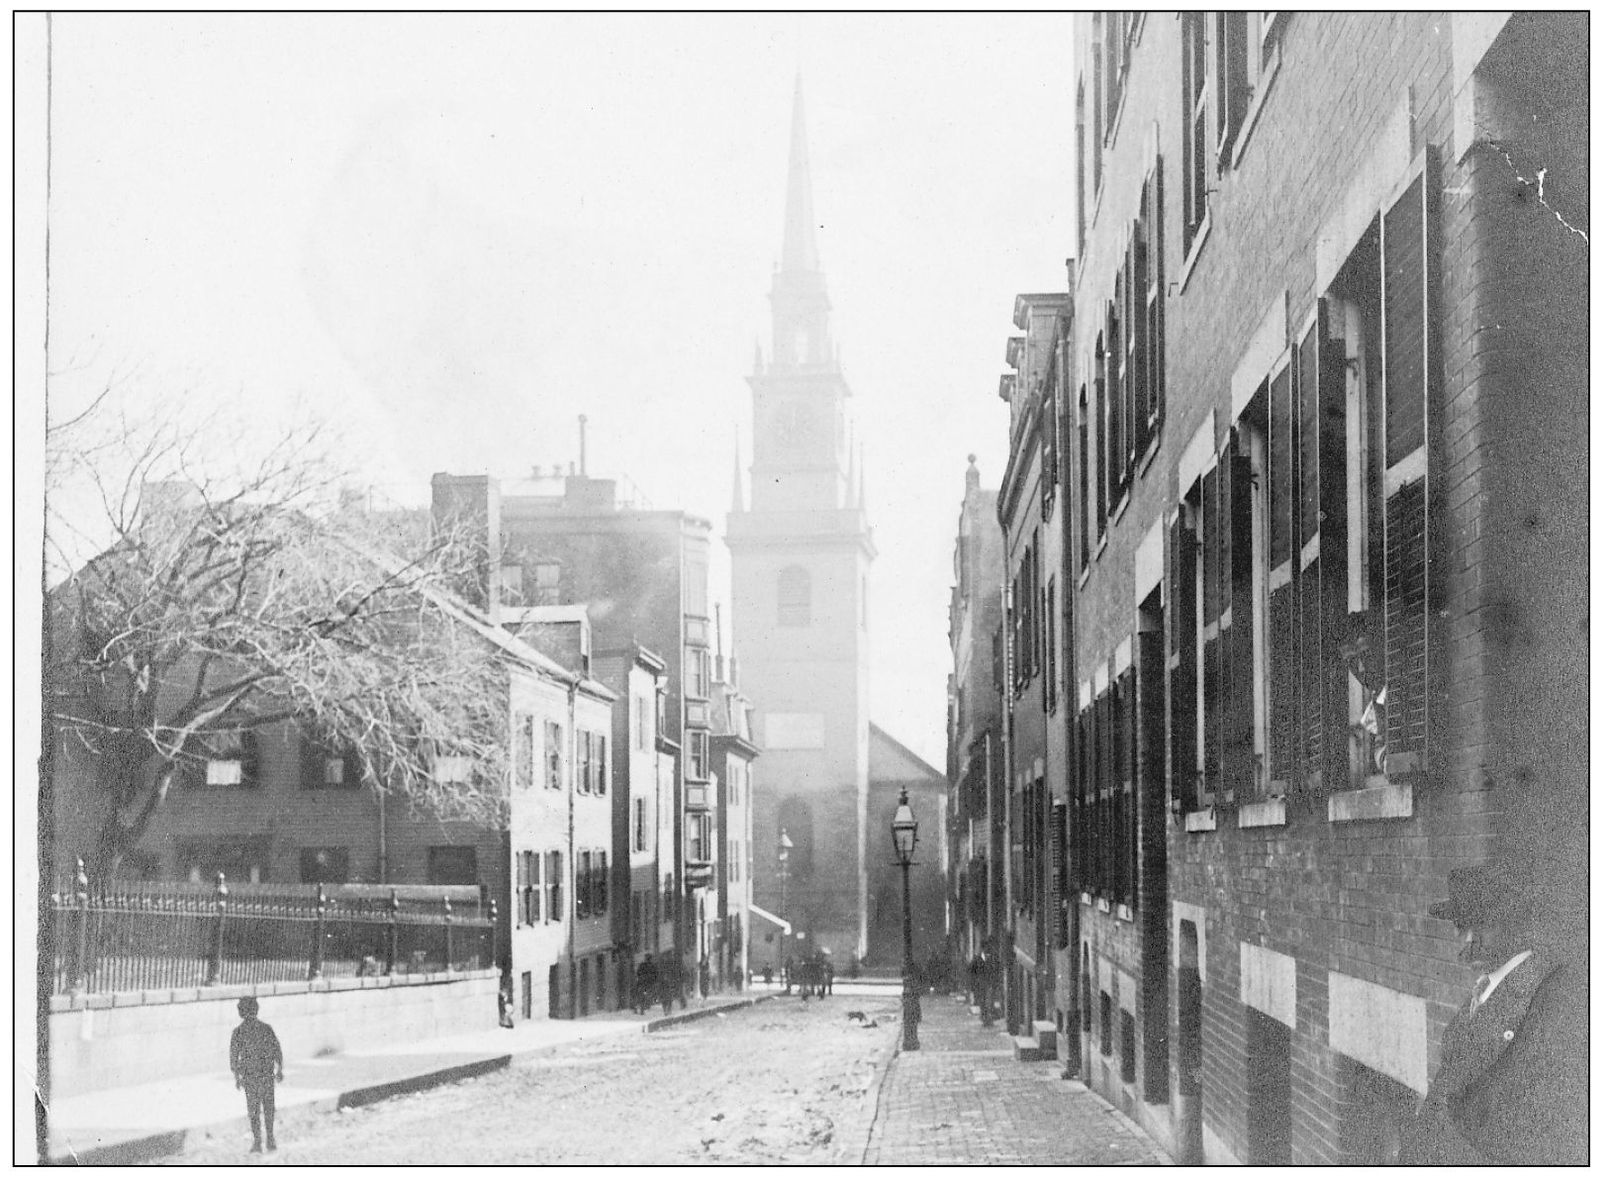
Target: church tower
(801,550)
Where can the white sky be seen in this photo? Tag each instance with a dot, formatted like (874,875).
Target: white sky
(452,235)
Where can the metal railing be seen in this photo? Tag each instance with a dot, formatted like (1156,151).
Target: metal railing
(125,935)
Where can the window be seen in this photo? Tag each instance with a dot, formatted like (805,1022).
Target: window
(1126,1047)
(1233,84)
(228,759)
(1098,458)
(528,888)
(524,750)
(553,752)
(555,885)
(1085,505)
(511,584)
(698,672)
(1080,139)
(698,753)
(1192,27)
(545,583)
(699,849)
(326,766)
(583,883)
(450,769)
(240,860)
(639,824)
(600,764)
(1184,650)
(600,882)
(583,761)
(326,865)
(793,596)
(1050,646)
(645,722)
(1106,1023)
(452,865)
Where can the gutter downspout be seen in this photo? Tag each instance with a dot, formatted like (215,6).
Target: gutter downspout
(1069,606)
(570,898)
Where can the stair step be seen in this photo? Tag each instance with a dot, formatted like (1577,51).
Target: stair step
(1026,1049)
(1045,1031)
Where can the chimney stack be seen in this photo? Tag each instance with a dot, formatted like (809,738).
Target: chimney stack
(583,420)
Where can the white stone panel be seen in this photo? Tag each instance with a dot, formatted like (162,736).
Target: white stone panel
(1268,982)
(1381,1028)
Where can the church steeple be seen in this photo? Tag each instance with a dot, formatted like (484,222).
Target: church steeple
(799,223)
(737,472)
(801,337)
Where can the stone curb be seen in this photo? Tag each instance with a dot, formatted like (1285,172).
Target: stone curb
(137,1150)
(857,1136)
(687,1016)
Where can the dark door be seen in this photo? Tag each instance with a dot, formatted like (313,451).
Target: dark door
(1189,1151)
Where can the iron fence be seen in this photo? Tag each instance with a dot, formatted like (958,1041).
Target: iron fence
(126,935)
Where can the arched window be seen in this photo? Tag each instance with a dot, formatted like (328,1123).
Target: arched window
(793,597)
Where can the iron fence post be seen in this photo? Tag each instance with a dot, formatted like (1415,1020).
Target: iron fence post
(315,967)
(80,979)
(391,940)
(447,910)
(215,959)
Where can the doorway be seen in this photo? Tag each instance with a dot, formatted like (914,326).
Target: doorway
(1189,1150)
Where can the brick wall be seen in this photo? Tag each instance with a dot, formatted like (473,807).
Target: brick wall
(1350,897)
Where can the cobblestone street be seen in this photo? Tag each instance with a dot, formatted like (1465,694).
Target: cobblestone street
(964,1100)
(767,1084)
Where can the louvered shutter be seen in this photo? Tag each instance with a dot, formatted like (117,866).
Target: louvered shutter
(1321,559)
(1158,336)
(1128,814)
(1211,620)
(1239,709)
(1283,708)
(250,761)
(1182,682)
(1116,445)
(1406,289)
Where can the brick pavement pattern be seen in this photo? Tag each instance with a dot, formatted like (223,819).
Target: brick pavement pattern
(964,1100)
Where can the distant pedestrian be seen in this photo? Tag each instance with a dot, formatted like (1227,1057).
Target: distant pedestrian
(704,976)
(787,977)
(767,973)
(647,985)
(667,985)
(258,1063)
(826,976)
(505,1001)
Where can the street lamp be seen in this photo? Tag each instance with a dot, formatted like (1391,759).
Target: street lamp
(904,830)
(784,845)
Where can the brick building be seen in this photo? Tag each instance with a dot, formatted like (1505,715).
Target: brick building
(1032,517)
(732,756)
(1326,384)
(975,750)
(576,564)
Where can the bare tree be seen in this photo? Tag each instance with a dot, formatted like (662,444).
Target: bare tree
(224,603)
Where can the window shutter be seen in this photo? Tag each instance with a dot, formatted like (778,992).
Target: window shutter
(1139,375)
(1182,683)
(1321,561)
(1211,620)
(1129,831)
(1282,622)
(250,763)
(1240,762)
(1408,324)
(1157,337)
(603,881)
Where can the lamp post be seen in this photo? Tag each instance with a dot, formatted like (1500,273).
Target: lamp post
(784,845)
(904,832)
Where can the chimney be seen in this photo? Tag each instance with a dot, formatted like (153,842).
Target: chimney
(471,504)
(972,472)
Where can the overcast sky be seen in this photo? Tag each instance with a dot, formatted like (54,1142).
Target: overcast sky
(452,235)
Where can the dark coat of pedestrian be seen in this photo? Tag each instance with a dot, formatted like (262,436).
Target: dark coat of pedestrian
(647,987)
(826,977)
(1511,1088)
(767,973)
(258,1063)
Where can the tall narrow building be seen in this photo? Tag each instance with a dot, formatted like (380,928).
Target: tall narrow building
(801,552)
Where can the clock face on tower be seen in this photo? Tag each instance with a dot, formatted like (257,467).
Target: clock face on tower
(796,426)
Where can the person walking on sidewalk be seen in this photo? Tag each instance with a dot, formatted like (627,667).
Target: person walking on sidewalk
(826,977)
(258,1063)
(647,985)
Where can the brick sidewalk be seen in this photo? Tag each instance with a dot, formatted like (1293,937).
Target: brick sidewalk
(964,1100)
